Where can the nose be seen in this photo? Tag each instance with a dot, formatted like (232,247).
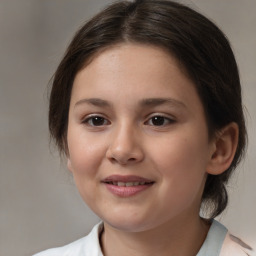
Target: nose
(125,146)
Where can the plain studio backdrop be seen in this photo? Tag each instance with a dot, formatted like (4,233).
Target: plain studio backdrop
(40,207)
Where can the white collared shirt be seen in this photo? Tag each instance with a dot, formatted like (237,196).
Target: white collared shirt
(217,243)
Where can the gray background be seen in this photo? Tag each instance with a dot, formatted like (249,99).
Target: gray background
(40,207)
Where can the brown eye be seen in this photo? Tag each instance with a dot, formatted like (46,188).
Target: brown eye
(159,121)
(96,121)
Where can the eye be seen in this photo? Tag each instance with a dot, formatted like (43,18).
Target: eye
(96,121)
(159,121)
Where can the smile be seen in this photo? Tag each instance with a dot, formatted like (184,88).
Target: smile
(126,186)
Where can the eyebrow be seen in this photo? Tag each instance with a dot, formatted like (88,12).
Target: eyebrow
(152,102)
(149,102)
(94,101)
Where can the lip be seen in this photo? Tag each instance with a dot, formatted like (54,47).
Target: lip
(126,178)
(126,191)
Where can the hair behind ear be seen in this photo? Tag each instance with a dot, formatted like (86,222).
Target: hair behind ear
(215,197)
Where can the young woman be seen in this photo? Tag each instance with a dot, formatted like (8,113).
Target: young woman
(146,106)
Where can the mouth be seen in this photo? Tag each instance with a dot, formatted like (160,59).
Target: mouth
(126,186)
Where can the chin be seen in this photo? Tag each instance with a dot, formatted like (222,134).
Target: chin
(125,223)
(129,223)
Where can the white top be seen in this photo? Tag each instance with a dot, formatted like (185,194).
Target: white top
(217,243)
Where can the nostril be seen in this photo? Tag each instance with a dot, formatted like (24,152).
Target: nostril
(124,155)
(123,161)
(132,159)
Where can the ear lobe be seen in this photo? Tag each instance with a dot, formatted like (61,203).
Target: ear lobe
(225,145)
(69,165)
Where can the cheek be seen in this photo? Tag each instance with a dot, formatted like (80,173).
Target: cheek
(181,162)
(85,157)
(181,153)
(85,154)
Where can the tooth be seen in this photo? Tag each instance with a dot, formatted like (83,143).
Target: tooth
(136,183)
(121,184)
(115,183)
(142,183)
(129,184)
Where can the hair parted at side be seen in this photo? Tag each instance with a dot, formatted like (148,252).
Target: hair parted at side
(198,45)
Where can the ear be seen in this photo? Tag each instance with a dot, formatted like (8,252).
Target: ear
(224,149)
(67,156)
(69,165)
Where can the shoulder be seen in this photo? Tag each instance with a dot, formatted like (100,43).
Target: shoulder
(219,242)
(86,246)
(235,247)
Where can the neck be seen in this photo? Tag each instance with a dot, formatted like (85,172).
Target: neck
(178,237)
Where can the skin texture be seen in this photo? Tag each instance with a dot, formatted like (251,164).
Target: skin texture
(176,155)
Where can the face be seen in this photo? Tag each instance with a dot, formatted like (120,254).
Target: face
(137,138)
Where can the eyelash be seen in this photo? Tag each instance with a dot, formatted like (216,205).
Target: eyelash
(88,121)
(166,120)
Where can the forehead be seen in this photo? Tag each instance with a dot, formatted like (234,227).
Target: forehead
(131,71)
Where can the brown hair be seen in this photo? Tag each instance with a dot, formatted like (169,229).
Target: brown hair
(200,47)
